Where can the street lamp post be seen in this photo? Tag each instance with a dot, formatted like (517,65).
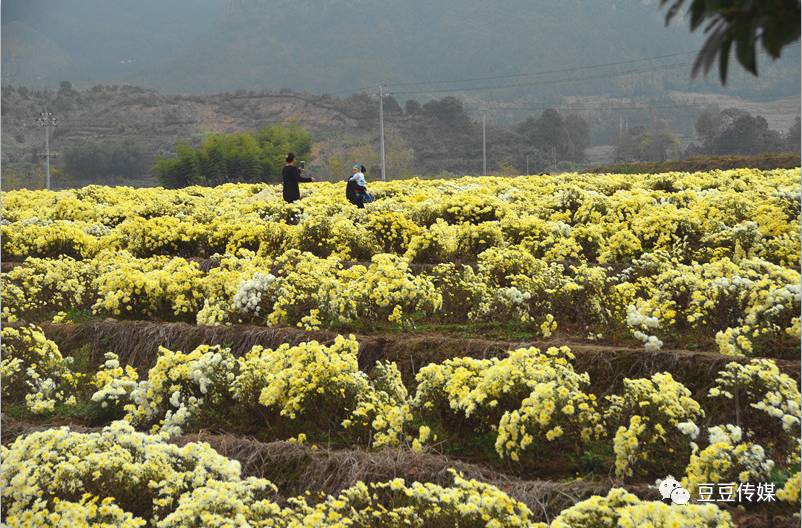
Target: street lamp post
(47,121)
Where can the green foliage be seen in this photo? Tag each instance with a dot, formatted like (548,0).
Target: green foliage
(235,157)
(704,163)
(449,110)
(105,161)
(275,141)
(557,137)
(735,131)
(774,23)
(646,144)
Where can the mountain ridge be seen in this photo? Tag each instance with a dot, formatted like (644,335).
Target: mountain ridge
(344,45)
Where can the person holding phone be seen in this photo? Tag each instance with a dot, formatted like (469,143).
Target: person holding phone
(291,176)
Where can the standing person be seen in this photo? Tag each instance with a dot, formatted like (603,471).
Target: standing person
(291,176)
(356,188)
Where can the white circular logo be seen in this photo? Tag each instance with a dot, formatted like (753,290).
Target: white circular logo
(680,496)
(671,490)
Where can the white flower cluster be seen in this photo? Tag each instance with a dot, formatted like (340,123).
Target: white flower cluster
(689,429)
(98,230)
(765,388)
(48,378)
(179,386)
(729,457)
(114,383)
(252,293)
(638,322)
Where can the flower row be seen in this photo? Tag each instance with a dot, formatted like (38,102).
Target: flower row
(603,219)
(750,306)
(122,478)
(530,402)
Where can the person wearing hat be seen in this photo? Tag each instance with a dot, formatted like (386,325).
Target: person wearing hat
(291,176)
(356,189)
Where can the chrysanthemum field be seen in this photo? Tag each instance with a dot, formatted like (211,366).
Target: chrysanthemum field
(528,351)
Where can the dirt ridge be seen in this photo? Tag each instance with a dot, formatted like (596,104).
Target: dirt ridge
(137,344)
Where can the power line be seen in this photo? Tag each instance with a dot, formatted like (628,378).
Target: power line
(601,106)
(518,75)
(543,72)
(549,81)
(351,90)
(513,75)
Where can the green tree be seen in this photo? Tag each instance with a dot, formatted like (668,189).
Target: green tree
(235,157)
(744,23)
(449,110)
(276,141)
(391,106)
(411,107)
(579,132)
(747,135)
(735,131)
(642,143)
(566,139)
(105,161)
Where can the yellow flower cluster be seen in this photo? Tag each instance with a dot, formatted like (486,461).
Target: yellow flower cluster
(34,371)
(729,457)
(89,511)
(319,386)
(701,216)
(393,231)
(324,387)
(234,289)
(386,290)
(156,286)
(48,238)
(58,476)
(130,471)
(42,286)
(791,492)
(526,397)
(712,253)
(651,415)
(762,297)
(466,503)
(621,509)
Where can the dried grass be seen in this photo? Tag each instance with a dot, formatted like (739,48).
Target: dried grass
(295,469)
(137,343)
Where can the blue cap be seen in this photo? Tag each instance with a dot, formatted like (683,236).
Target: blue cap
(357,166)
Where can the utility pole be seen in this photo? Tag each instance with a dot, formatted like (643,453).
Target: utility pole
(381,129)
(484,143)
(47,121)
(527,164)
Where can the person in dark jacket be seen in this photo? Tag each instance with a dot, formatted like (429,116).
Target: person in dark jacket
(356,188)
(291,176)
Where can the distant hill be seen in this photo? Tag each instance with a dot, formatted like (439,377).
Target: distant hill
(341,45)
(344,129)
